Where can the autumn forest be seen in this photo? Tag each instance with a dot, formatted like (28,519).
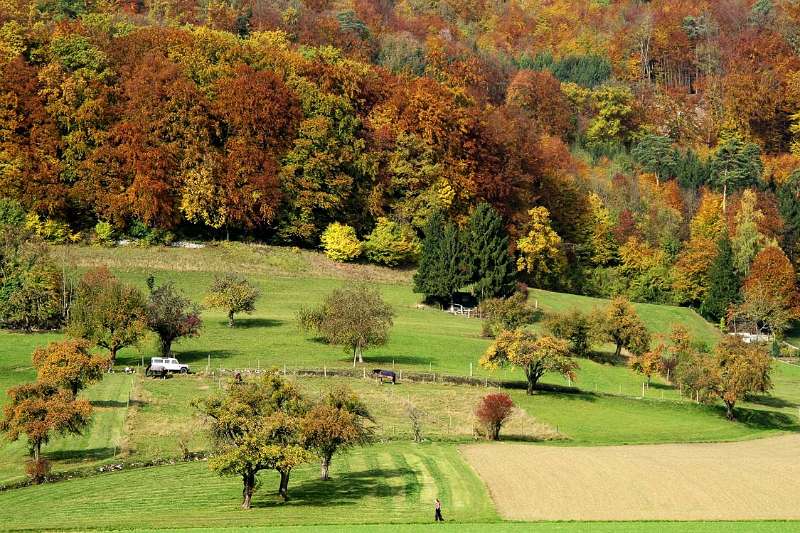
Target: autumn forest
(650,149)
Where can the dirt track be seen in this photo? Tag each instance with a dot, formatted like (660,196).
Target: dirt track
(757,479)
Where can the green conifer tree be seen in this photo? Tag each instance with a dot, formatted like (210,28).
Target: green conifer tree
(723,283)
(492,269)
(442,268)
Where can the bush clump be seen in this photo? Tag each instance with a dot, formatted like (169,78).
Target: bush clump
(341,243)
(104,234)
(392,244)
(492,412)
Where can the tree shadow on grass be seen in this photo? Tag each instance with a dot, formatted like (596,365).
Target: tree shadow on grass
(770,401)
(341,489)
(114,404)
(761,419)
(252,323)
(194,356)
(396,359)
(92,454)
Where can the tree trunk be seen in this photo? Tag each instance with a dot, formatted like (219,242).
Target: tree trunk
(230,319)
(618,350)
(113,350)
(166,347)
(74,388)
(729,410)
(533,378)
(248,486)
(360,354)
(325,467)
(37,450)
(283,489)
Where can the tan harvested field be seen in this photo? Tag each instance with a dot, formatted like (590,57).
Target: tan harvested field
(757,479)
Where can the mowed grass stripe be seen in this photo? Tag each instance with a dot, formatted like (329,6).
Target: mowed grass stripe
(189,495)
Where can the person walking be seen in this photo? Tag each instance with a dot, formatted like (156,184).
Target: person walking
(438,516)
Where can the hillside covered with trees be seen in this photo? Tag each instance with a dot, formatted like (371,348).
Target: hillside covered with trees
(650,149)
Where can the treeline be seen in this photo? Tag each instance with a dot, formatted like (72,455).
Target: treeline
(616,164)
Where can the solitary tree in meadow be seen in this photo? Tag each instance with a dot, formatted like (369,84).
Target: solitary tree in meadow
(107,312)
(493,411)
(535,355)
(355,318)
(234,294)
(622,325)
(739,369)
(38,410)
(171,315)
(338,421)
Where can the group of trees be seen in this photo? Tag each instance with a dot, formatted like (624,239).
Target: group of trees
(50,405)
(570,335)
(389,125)
(477,255)
(268,424)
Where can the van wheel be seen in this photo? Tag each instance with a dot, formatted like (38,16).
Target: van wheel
(184,370)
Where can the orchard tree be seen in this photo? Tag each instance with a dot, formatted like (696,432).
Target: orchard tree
(622,325)
(723,283)
(355,318)
(107,312)
(256,426)
(170,315)
(535,355)
(40,409)
(493,411)
(234,294)
(491,265)
(575,327)
(739,369)
(68,364)
(502,314)
(338,421)
(649,362)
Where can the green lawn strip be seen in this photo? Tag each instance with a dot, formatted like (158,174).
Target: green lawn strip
(544,527)
(369,488)
(98,443)
(588,419)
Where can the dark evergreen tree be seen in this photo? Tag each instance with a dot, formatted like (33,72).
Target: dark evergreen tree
(789,206)
(690,171)
(655,154)
(443,269)
(724,283)
(492,269)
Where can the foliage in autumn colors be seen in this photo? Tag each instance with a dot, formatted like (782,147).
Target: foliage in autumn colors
(493,411)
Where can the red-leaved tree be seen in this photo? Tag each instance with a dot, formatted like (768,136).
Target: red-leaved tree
(493,411)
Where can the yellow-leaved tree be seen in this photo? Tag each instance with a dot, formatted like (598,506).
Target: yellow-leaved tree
(540,253)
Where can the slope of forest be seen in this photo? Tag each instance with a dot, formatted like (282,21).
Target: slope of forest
(648,131)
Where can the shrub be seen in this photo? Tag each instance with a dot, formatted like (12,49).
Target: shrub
(50,230)
(146,236)
(492,412)
(11,213)
(37,470)
(340,242)
(104,233)
(506,314)
(392,244)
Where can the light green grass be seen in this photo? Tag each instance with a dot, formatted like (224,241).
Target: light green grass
(97,443)
(380,484)
(545,527)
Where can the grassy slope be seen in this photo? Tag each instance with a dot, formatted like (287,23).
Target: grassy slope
(383,483)
(421,339)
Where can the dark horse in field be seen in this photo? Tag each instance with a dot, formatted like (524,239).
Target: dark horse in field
(384,374)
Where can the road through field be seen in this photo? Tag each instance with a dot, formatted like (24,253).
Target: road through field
(753,480)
